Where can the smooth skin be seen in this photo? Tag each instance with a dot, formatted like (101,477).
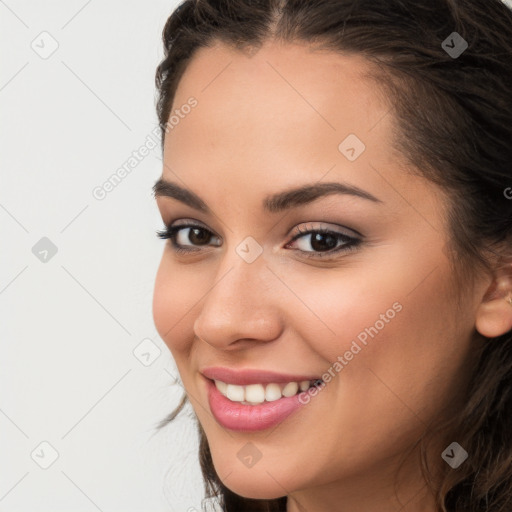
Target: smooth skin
(265,122)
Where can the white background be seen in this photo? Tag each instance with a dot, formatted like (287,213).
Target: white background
(69,326)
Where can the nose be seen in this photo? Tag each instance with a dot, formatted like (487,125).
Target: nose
(241,306)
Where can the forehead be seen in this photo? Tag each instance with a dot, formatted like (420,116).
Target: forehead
(318,92)
(279,117)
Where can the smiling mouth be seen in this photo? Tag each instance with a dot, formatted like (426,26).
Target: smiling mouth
(256,394)
(250,399)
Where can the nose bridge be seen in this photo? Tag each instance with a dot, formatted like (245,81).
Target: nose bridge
(239,303)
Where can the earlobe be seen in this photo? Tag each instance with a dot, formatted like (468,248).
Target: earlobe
(494,317)
(494,314)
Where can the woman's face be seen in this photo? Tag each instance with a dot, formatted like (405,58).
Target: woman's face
(372,302)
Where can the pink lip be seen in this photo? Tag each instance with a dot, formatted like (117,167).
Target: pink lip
(249,418)
(251,376)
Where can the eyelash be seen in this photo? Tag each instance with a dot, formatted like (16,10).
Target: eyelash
(351,244)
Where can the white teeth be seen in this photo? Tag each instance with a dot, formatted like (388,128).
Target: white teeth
(291,389)
(254,394)
(272,392)
(304,385)
(235,393)
(221,386)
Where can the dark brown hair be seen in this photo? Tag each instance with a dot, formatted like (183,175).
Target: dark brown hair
(454,125)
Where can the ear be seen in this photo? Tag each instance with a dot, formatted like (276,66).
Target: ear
(494,313)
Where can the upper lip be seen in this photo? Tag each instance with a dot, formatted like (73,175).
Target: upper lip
(244,377)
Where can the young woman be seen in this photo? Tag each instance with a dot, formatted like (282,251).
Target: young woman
(336,289)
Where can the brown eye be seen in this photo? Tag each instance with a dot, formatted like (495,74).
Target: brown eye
(314,243)
(198,236)
(185,238)
(323,242)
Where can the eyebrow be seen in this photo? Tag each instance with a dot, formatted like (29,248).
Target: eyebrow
(274,203)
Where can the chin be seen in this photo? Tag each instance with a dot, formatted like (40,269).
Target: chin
(266,489)
(254,483)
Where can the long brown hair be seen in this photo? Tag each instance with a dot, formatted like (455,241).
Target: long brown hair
(455,126)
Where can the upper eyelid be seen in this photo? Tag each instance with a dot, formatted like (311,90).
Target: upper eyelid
(302,232)
(353,233)
(349,246)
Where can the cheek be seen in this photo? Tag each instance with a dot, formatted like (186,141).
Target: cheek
(351,305)
(394,330)
(174,296)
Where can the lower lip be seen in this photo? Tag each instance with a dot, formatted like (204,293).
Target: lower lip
(249,418)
